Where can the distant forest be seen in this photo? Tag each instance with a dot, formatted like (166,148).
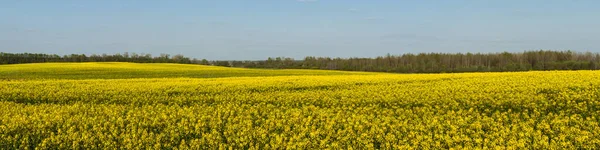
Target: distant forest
(406,63)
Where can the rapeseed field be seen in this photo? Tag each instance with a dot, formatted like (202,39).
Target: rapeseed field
(169,106)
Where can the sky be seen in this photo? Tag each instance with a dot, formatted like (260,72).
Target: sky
(257,29)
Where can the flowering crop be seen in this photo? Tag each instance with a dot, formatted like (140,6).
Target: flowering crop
(160,107)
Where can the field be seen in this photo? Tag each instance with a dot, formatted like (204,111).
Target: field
(169,106)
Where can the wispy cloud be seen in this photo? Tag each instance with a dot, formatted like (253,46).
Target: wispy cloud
(24,29)
(307,0)
(352,9)
(373,18)
(410,36)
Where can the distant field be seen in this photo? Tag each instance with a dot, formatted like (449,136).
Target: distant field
(137,70)
(166,106)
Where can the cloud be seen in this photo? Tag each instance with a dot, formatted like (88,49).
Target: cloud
(31,30)
(77,5)
(373,18)
(352,9)
(410,36)
(48,42)
(16,29)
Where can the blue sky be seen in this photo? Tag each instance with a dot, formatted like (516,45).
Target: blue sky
(257,29)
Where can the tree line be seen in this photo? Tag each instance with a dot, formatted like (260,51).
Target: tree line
(405,63)
(443,62)
(19,58)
